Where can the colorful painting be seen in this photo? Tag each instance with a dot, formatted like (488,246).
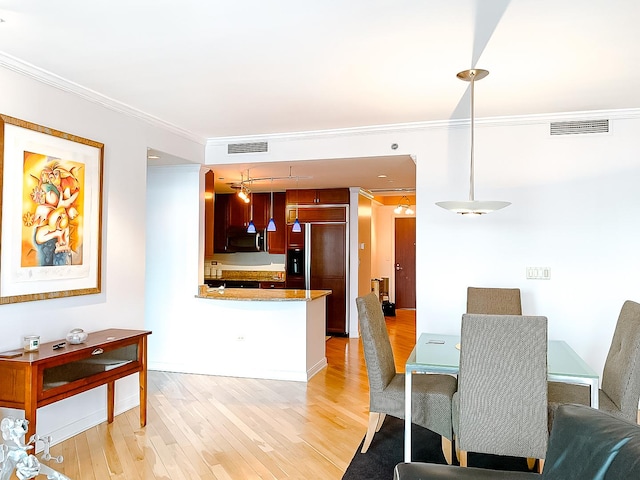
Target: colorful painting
(50,213)
(53,202)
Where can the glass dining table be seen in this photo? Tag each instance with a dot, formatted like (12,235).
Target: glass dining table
(438,353)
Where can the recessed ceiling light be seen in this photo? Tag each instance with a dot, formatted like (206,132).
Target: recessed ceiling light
(382,176)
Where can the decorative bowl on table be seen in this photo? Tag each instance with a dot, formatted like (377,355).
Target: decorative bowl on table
(76,336)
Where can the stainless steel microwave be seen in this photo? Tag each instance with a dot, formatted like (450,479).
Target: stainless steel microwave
(238,240)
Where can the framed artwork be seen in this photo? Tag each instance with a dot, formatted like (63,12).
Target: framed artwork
(50,213)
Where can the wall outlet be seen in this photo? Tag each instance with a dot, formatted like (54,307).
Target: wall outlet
(538,273)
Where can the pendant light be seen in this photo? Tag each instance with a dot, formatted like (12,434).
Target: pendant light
(296,225)
(271,227)
(472,206)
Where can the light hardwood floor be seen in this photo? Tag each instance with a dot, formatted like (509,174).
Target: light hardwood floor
(206,427)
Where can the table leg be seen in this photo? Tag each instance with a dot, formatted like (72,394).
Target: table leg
(142,378)
(111,390)
(30,402)
(594,393)
(407,416)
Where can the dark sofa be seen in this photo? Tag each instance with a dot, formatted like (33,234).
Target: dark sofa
(585,444)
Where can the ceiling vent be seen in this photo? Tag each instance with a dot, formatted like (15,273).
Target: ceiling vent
(579,127)
(253,147)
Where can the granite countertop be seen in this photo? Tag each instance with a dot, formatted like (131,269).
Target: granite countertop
(262,294)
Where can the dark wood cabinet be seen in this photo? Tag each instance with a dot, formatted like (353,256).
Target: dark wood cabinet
(221,220)
(295,239)
(277,241)
(238,211)
(231,212)
(209,217)
(316,214)
(318,196)
(259,210)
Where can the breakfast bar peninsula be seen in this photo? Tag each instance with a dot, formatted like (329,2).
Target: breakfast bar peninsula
(251,332)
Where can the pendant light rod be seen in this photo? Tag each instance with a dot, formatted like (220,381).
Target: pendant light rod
(471,76)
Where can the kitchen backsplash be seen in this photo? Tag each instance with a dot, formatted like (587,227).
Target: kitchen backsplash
(239,265)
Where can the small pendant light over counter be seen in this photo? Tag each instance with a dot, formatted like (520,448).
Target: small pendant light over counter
(472,206)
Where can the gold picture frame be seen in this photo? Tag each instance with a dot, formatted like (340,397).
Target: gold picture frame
(50,213)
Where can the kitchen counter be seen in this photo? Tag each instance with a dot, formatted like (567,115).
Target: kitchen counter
(276,333)
(262,295)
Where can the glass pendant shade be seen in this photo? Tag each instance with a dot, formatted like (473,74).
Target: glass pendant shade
(296,227)
(251,228)
(472,206)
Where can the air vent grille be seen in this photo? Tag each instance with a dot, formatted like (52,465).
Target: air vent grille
(253,147)
(579,127)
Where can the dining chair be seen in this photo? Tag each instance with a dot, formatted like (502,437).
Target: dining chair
(494,301)
(431,394)
(500,407)
(620,389)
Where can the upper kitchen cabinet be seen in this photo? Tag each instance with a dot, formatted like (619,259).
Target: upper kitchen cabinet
(276,241)
(318,196)
(209,214)
(230,213)
(237,211)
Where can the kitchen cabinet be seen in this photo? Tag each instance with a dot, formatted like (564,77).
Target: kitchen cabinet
(316,214)
(220,219)
(318,196)
(277,241)
(231,212)
(208,214)
(237,211)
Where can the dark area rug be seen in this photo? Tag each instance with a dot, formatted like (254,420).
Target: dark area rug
(387,450)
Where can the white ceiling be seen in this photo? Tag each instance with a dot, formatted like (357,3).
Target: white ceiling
(225,68)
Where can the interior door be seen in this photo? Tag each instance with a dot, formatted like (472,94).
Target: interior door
(405,266)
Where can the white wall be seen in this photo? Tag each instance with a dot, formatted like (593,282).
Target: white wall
(121,303)
(575,203)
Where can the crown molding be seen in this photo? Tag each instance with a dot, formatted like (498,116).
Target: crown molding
(433,125)
(48,78)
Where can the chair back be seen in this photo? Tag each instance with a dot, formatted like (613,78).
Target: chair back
(621,374)
(494,301)
(378,353)
(502,385)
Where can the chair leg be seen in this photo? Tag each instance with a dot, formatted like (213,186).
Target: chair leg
(531,463)
(374,426)
(447,446)
(381,417)
(463,458)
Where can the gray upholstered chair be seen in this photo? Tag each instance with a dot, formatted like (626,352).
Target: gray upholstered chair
(620,390)
(500,407)
(431,394)
(494,301)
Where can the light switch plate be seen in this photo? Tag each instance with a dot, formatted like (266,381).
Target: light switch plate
(538,273)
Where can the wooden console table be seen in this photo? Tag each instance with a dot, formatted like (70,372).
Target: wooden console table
(35,379)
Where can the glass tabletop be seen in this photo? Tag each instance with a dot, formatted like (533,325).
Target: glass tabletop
(437,353)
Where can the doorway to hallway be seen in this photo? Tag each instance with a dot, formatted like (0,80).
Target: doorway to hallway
(405,262)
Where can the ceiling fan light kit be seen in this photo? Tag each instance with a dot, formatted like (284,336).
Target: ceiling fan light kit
(472,206)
